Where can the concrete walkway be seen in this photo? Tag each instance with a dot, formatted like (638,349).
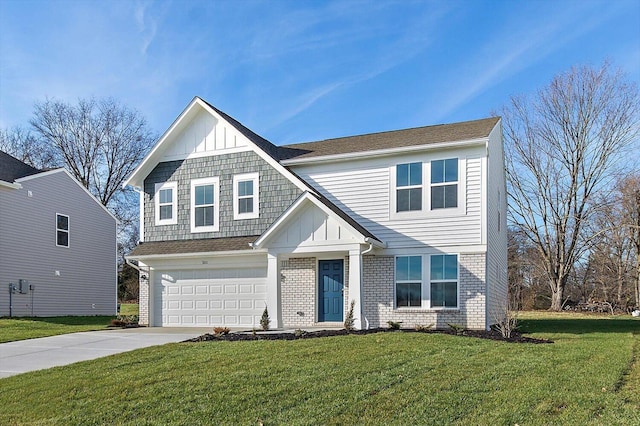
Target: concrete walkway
(46,352)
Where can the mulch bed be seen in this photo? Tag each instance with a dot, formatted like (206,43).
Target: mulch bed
(516,337)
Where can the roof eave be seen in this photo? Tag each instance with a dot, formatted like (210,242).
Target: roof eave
(194,254)
(383,152)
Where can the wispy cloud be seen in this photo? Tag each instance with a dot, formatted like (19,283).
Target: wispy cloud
(513,50)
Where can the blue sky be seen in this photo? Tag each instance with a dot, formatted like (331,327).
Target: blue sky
(296,71)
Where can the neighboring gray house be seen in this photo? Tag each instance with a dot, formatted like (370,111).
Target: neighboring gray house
(57,245)
(409,225)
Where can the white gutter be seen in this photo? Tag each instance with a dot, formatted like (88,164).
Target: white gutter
(10,185)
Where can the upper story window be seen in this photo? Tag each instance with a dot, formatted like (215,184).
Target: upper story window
(246,196)
(62,230)
(444,281)
(444,184)
(166,203)
(408,187)
(205,205)
(408,281)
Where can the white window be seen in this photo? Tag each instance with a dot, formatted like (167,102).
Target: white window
(166,200)
(245,196)
(444,281)
(409,187)
(205,205)
(444,184)
(408,281)
(62,230)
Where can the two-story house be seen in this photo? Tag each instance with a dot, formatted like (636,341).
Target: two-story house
(409,225)
(57,245)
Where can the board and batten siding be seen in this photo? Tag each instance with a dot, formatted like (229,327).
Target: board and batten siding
(362,188)
(86,283)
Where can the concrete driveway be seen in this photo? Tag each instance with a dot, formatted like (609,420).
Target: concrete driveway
(46,352)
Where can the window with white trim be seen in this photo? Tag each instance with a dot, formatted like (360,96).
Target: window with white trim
(444,281)
(246,196)
(408,187)
(205,205)
(408,281)
(444,184)
(166,197)
(62,230)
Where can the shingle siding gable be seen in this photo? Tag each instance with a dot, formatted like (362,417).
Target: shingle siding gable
(276,194)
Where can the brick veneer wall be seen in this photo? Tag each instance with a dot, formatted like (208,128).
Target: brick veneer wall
(378,275)
(298,291)
(143,299)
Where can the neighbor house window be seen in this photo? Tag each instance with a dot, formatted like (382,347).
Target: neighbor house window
(444,184)
(444,281)
(205,205)
(166,203)
(408,187)
(245,196)
(408,281)
(62,230)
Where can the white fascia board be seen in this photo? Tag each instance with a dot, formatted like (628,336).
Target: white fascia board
(10,185)
(306,196)
(144,168)
(383,152)
(66,172)
(150,257)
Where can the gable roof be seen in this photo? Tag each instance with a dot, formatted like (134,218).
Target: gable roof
(329,208)
(12,169)
(418,136)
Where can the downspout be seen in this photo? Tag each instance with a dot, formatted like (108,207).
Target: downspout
(367,251)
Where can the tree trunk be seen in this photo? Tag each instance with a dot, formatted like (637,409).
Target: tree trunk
(557,295)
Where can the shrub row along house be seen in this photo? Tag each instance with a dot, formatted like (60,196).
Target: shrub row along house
(57,245)
(409,225)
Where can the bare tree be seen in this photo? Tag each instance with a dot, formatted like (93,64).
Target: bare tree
(27,147)
(563,146)
(99,142)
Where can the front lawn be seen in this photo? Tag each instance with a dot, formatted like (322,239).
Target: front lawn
(586,377)
(12,329)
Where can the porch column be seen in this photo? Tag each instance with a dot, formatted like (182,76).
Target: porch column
(355,287)
(273,290)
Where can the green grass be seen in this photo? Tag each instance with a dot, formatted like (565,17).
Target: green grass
(590,375)
(12,329)
(128,309)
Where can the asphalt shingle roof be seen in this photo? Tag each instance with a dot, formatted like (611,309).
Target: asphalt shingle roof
(192,246)
(392,139)
(11,168)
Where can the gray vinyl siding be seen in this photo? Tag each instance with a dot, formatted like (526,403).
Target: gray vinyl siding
(276,194)
(87,281)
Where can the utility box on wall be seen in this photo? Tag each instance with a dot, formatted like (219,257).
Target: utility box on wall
(23,286)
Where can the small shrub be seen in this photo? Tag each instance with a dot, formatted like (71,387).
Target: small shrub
(393,325)
(221,331)
(507,324)
(349,321)
(124,320)
(420,327)
(265,320)
(299,333)
(457,328)
(117,323)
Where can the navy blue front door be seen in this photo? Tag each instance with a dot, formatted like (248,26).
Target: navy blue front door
(331,299)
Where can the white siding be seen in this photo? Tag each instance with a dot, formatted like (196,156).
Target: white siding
(204,135)
(362,189)
(86,284)
(497,285)
(311,227)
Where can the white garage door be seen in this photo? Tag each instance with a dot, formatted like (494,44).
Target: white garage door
(215,297)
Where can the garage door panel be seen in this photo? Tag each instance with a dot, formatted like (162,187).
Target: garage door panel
(203,298)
